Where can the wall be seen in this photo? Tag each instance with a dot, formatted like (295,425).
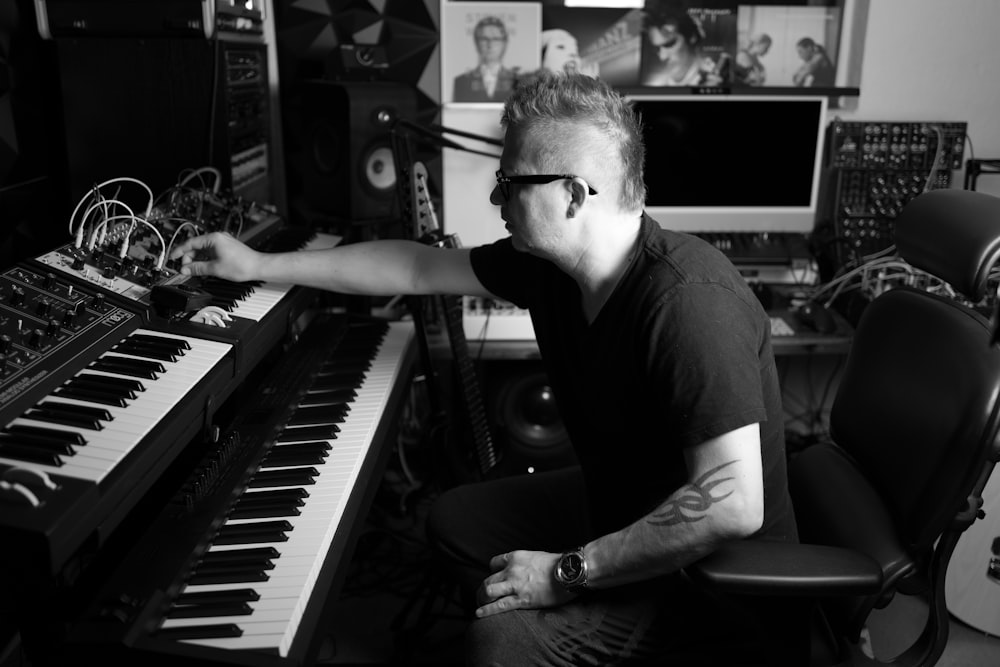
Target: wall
(934,60)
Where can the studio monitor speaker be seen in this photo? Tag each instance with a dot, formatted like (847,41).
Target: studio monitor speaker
(339,147)
(526,424)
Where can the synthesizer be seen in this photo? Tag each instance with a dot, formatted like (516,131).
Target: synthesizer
(118,374)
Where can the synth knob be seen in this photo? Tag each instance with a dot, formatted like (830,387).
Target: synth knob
(52,329)
(5,343)
(43,308)
(3,363)
(78,264)
(68,317)
(36,338)
(16,296)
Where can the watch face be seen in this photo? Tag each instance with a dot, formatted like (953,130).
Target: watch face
(571,566)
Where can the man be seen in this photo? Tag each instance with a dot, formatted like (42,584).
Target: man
(489,80)
(817,70)
(674,53)
(660,360)
(748,69)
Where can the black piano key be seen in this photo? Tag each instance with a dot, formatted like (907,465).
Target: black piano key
(102,380)
(55,415)
(324,431)
(101,388)
(29,454)
(131,367)
(217,597)
(264,512)
(290,477)
(233,576)
(178,343)
(284,456)
(201,631)
(43,432)
(42,444)
(319,396)
(140,349)
(334,383)
(83,394)
(210,610)
(238,556)
(85,410)
(251,533)
(274,494)
(248,501)
(344,368)
(322,414)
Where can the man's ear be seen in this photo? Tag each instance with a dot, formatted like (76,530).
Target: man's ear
(578,194)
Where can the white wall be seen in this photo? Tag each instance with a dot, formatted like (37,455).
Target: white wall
(935,60)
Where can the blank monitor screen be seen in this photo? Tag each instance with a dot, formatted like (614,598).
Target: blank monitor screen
(733,163)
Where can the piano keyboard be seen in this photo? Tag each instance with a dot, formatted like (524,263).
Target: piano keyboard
(252,585)
(87,425)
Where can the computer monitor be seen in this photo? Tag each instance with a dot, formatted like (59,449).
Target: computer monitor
(728,163)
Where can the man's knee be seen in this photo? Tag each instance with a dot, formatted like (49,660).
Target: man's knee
(501,639)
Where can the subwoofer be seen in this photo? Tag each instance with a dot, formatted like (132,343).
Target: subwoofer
(339,149)
(526,424)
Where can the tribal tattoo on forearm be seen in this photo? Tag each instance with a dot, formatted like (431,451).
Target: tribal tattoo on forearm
(694,500)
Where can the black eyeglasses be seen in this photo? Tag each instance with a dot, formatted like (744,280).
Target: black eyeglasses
(503,182)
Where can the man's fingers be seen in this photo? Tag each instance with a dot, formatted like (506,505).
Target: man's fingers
(499,589)
(193,244)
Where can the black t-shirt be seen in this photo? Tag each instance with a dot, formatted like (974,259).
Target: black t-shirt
(680,353)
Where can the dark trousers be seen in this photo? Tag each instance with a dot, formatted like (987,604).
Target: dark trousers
(667,620)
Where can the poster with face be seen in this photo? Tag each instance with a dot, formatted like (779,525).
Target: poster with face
(687,46)
(598,41)
(485,46)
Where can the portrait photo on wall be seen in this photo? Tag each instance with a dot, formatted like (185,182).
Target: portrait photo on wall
(787,46)
(485,46)
(600,41)
(687,44)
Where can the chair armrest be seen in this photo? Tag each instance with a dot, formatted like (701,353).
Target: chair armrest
(755,567)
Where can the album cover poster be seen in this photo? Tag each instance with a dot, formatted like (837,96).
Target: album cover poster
(787,46)
(485,46)
(688,46)
(601,42)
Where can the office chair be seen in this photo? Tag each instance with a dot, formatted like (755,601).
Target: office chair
(914,429)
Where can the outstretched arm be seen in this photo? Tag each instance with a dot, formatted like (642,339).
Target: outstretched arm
(374,268)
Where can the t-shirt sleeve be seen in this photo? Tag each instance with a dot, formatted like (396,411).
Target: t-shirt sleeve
(705,366)
(504,271)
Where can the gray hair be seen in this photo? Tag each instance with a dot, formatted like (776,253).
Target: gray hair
(558,104)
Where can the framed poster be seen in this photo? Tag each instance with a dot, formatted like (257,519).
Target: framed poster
(601,42)
(787,46)
(485,46)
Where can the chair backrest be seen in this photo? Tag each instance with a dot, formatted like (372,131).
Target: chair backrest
(915,419)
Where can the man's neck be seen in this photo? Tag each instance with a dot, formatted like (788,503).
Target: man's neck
(604,261)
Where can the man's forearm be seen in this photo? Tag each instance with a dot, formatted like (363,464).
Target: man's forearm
(688,525)
(376,268)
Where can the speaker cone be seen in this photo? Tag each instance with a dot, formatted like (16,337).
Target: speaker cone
(527,413)
(379,171)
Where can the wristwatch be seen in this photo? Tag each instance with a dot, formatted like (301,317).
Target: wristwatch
(571,571)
